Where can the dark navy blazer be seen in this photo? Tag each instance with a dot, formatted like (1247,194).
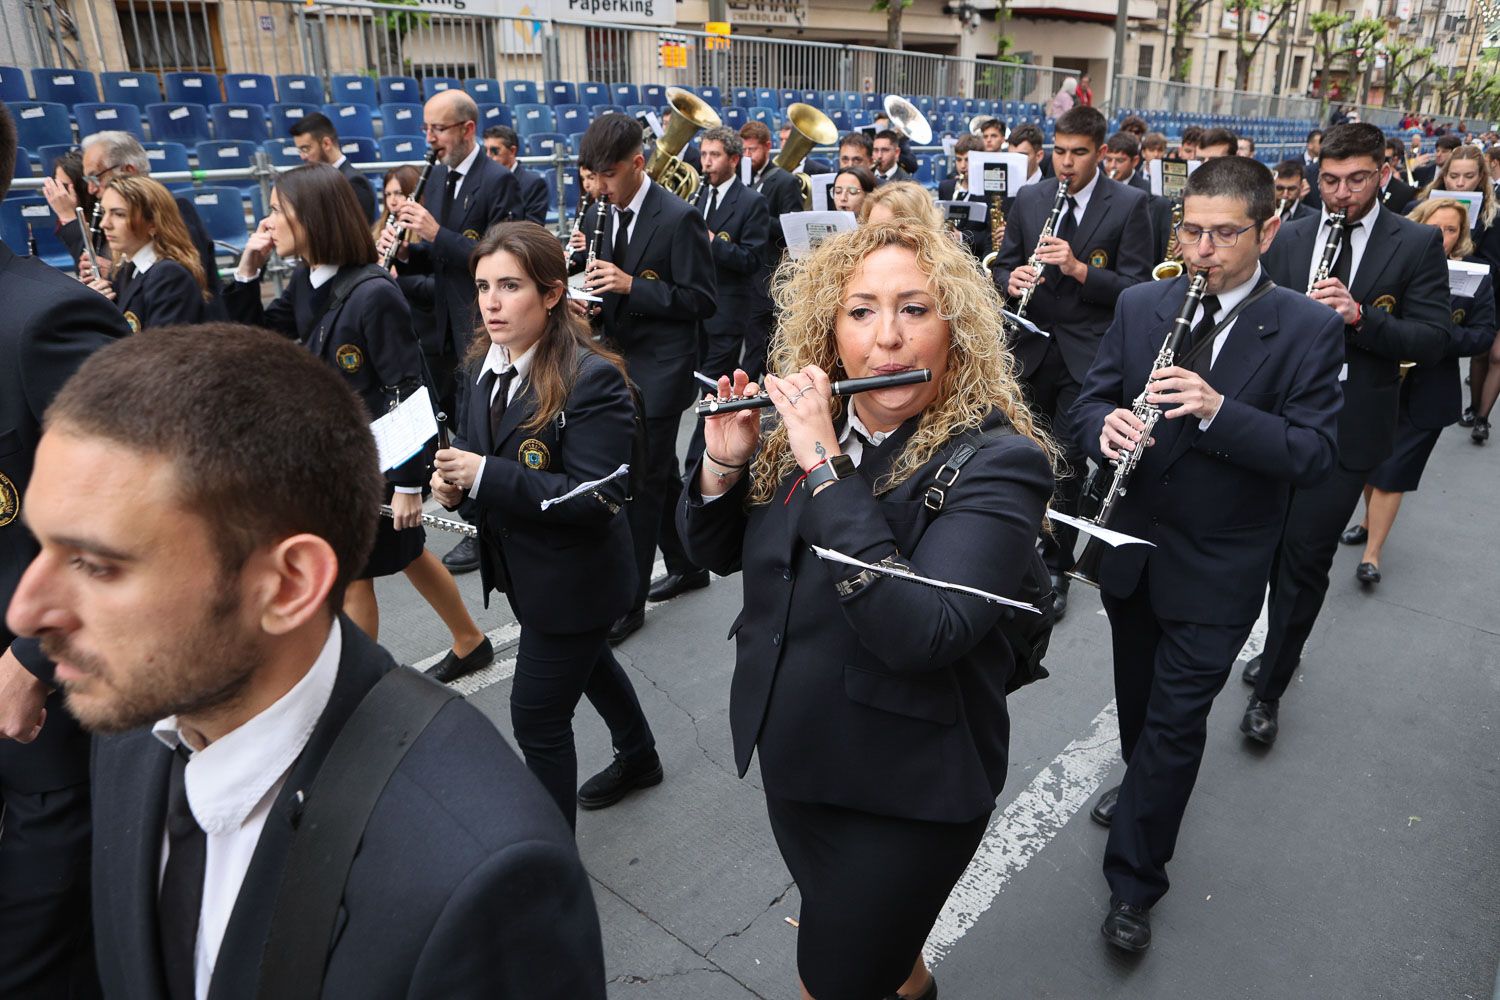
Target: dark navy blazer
(1433,394)
(165,295)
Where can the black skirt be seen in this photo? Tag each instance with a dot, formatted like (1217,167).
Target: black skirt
(394,550)
(1401,472)
(872,887)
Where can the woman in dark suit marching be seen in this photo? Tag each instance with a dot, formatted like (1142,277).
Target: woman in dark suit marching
(877,705)
(158,278)
(349,312)
(548,412)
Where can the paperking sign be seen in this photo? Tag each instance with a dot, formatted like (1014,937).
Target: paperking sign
(599,13)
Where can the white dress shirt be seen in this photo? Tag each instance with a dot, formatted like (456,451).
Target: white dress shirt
(1358,234)
(1228,300)
(231,785)
(143,258)
(708,197)
(462,170)
(498,361)
(1082,198)
(635,209)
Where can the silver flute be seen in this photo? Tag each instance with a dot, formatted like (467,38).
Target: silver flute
(1330,249)
(440,523)
(1035,262)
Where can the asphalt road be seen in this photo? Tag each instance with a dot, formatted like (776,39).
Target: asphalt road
(1360,858)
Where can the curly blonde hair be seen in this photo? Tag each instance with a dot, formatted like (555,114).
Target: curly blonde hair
(1423,212)
(909,202)
(981,374)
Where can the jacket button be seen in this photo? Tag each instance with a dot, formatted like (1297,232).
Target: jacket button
(786,574)
(1155,520)
(1166,480)
(776,639)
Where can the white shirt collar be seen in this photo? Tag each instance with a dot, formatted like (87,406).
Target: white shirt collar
(463,168)
(322,274)
(227,779)
(339,163)
(1231,297)
(144,258)
(640,197)
(1083,196)
(498,360)
(854,446)
(723,190)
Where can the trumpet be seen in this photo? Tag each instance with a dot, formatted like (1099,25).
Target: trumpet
(389,257)
(1330,249)
(1086,569)
(1035,263)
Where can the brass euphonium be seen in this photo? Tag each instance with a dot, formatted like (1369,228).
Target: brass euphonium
(810,127)
(1171,265)
(690,114)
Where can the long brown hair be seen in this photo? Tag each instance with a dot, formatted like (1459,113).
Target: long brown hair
(1489,207)
(334,228)
(149,204)
(554,366)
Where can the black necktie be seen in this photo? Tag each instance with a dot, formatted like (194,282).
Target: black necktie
(498,404)
(622,237)
(1066,226)
(180,903)
(713,203)
(1202,357)
(449,190)
(1345,260)
(123,279)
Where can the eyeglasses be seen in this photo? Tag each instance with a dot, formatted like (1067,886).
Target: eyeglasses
(97,179)
(1354,182)
(1222,237)
(440,129)
(851,191)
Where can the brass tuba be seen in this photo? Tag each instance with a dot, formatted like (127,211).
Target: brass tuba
(690,113)
(810,127)
(908,120)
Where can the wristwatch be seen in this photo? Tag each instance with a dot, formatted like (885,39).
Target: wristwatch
(836,468)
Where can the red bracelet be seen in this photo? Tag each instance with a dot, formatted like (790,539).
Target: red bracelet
(805,473)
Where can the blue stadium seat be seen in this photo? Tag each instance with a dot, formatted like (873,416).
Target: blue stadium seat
(194,88)
(591,93)
(139,89)
(766,115)
(22,166)
(569,118)
(840,119)
(230,154)
(17,212)
(283,116)
(177,122)
(359,148)
(437,84)
(654,94)
(397,90)
(167,157)
(555,92)
(786,98)
(222,210)
(520,92)
(712,95)
(47,155)
(282,153)
(484,89)
(13,84)
(402,147)
(347,88)
(575,143)
(605,109)
(109,118)
(542,143)
(350,119)
(494,114)
(402,119)
(742,97)
(298,88)
(636,110)
(733,117)
(64,86)
(764,98)
(249,88)
(239,121)
(871,102)
(533,118)
(624,94)
(41,123)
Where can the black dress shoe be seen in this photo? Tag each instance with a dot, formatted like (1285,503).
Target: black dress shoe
(1103,812)
(619,779)
(1060,601)
(1127,927)
(1259,722)
(1251,675)
(930,993)
(1481,432)
(626,625)
(1367,573)
(451,667)
(463,557)
(1355,534)
(1467,419)
(674,584)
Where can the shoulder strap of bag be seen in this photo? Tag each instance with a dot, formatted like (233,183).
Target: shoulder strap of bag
(366,753)
(343,286)
(947,473)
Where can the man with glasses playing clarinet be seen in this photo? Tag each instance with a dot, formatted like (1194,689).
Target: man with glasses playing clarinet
(1388,282)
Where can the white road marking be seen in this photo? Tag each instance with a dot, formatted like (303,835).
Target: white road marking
(1026,826)
(1257,640)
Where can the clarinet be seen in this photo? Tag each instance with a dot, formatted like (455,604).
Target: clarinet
(1051,227)
(584,204)
(98,215)
(30,241)
(389,257)
(1330,249)
(598,238)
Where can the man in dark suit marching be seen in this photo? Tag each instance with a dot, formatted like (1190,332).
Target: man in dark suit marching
(655,272)
(317,141)
(502,145)
(1095,253)
(279,808)
(1122,159)
(886,153)
(1389,283)
(51,325)
(1250,400)
(1291,188)
(976,235)
(739,233)
(783,194)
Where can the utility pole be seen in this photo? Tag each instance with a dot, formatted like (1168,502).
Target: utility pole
(1122,21)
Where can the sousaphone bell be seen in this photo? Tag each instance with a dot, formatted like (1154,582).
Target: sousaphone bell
(908,120)
(810,127)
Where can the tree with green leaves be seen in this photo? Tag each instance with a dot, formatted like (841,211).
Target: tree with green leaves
(1183,22)
(1246,46)
(1361,50)
(1407,67)
(893,10)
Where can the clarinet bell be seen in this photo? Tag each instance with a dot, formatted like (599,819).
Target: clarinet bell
(1086,568)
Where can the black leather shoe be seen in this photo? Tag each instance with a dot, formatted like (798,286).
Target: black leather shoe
(1481,432)
(930,993)
(451,667)
(1367,573)
(675,584)
(463,557)
(1259,723)
(1103,812)
(1127,927)
(1355,534)
(628,624)
(1060,602)
(1251,675)
(619,779)
(1467,419)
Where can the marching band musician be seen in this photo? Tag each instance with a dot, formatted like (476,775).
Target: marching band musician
(503,145)
(1431,397)
(654,269)
(350,313)
(158,279)
(877,706)
(1122,161)
(1291,189)
(1095,253)
(976,235)
(1397,195)
(1247,416)
(549,411)
(851,186)
(1027,140)
(317,141)
(1394,304)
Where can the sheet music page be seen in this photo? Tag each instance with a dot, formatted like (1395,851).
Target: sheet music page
(583,488)
(1464,277)
(805,230)
(833,555)
(404,431)
(1023,323)
(1113,538)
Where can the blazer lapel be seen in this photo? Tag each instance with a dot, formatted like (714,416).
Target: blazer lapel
(1372,264)
(479,400)
(644,228)
(132,291)
(432,197)
(1097,210)
(727,207)
(145,808)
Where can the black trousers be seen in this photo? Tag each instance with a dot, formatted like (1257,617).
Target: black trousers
(652,521)
(1051,391)
(1299,573)
(46,937)
(872,887)
(1167,674)
(552,673)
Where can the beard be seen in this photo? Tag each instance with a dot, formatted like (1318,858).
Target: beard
(200,666)
(456,156)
